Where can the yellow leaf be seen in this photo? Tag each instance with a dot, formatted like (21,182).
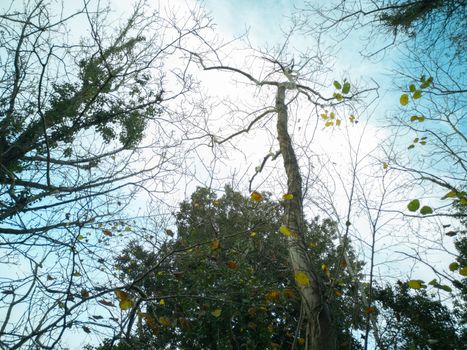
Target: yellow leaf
(285,231)
(332,115)
(404,99)
(252,311)
(162,302)
(338,122)
(301,341)
(165,321)
(312,245)
(256,196)
(287,196)
(272,295)
(415,284)
(126,304)
(215,244)
(216,312)
(216,202)
(324,116)
(289,293)
(385,165)
(325,270)
(252,234)
(338,293)
(302,279)
(463,271)
(352,118)
(328,124)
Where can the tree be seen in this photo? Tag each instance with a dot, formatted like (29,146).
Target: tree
(75,149)
(416,321)
(225,281)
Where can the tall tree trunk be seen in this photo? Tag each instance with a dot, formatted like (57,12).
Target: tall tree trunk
(320,334)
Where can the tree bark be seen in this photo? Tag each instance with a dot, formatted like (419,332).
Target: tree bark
(320,334)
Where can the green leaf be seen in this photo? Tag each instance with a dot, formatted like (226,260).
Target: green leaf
(426,83)
(426,210)
(417,94)
(453,266)
(337,85)
(346,88)
(411,146)
(414,205)
(444,287)
(404,99)
(338,96)
(412,88)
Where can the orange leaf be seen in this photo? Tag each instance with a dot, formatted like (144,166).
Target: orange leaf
(106,302)
(232,264)
(251,325)
(184,323)
(169,232)
(107,232)
(121,295)
(370,310)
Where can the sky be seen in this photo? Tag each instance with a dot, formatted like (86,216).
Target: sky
(265,21)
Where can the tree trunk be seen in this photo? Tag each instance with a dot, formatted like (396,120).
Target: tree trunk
(320,333)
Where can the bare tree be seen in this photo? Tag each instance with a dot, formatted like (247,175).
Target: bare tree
(85,127)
